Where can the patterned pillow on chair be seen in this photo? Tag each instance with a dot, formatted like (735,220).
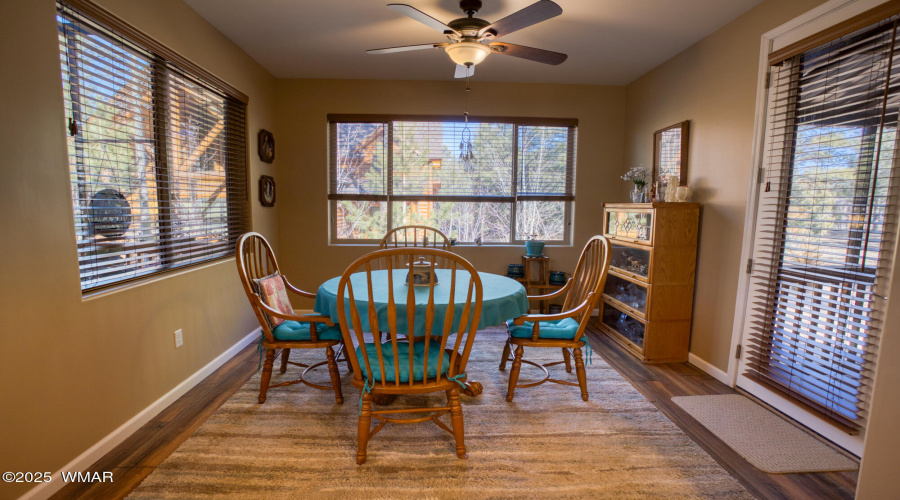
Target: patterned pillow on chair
(272,291)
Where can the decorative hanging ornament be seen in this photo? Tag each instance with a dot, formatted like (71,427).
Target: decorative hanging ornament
(466,151)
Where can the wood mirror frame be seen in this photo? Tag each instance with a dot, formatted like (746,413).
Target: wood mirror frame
(668,151)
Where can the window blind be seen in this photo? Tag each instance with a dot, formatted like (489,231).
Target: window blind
(828,222)
(426,160)
(157,155)
(389,171)
(545,162)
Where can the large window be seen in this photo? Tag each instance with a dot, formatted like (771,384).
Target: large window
(389,172)
(157,152)
(826,223)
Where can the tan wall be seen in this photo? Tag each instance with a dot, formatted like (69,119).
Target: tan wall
(712,84)
(302,185)
(74,370)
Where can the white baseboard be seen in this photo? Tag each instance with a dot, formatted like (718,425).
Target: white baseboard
(711,370)
(116,437)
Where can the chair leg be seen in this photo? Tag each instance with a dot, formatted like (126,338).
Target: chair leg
(579,369)
(335,375)
(568,360)
(364,424)
(514,374)
(505,356)
(266,375)
(456,421)
(285,354)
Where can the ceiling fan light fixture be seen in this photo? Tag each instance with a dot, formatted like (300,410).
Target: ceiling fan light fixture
(467,53)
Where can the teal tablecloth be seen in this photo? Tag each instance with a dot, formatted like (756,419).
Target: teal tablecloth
(504,298)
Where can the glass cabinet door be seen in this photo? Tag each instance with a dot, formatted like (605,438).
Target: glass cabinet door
(628,293)
(628,224)
(627,326)
(630,261)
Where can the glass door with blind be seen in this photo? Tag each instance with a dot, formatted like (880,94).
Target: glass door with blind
(825,231)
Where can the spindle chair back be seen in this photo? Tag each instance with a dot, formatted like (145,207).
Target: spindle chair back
(415,236)
(255,262)
(565,329)
(434,361)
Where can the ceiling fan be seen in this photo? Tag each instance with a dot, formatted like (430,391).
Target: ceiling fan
(471,38)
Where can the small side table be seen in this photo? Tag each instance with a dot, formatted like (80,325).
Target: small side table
(542,277)
(539,280)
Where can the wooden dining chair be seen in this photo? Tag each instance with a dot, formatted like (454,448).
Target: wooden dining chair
(438,337)
(415,236)
(282,328)
(564,329)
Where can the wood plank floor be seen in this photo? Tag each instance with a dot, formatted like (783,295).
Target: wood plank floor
(137,457)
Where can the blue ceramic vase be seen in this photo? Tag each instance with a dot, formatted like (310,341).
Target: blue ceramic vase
(534,248)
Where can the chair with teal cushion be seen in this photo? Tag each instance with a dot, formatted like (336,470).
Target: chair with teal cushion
(387,355)
(415,236)
(565,329)
(438,360)
(282,328)
(295,330)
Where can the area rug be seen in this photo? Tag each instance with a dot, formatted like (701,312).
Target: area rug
(766,440)
(547,443)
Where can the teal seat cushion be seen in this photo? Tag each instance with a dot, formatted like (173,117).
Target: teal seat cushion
(565,328)
(295,330)
(434,354)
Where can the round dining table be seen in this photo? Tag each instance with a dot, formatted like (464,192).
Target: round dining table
(502,299)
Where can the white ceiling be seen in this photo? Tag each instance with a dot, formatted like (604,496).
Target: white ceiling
(609,42)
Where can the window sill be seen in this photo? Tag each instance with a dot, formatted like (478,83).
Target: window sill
(113,289)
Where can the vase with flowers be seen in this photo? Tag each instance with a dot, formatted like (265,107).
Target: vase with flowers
(638,176)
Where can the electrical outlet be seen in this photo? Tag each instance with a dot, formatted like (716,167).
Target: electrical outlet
(179,340)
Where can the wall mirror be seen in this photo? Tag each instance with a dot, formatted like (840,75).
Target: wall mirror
(670,153)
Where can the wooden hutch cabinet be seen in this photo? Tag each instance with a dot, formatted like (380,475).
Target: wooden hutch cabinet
(649,294)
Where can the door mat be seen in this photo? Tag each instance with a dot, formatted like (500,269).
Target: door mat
(766,440)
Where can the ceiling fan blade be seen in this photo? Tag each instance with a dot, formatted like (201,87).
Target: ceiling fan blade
(390,50)
(418,15)
(462,70)
(533,14)
(530,53)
